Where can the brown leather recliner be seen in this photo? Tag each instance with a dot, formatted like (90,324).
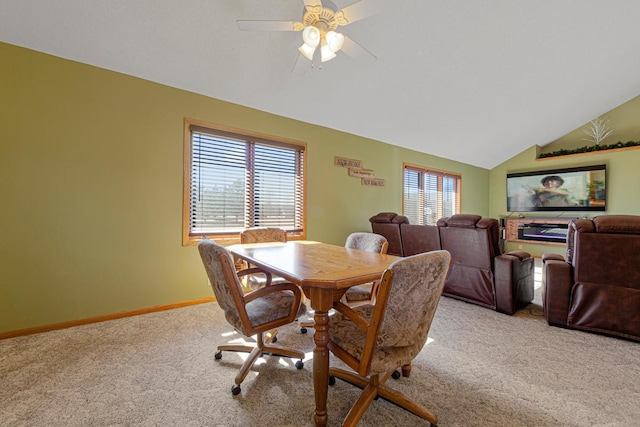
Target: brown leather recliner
(417,239)
(480,273)
(387,224)
(597,287)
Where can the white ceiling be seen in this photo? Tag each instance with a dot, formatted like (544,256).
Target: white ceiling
(476,81)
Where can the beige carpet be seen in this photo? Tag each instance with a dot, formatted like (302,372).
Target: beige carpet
(480,368)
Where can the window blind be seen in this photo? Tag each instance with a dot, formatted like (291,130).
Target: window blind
(236,183)
(429,195)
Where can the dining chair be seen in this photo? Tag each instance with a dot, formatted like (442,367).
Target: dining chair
(263,234)
(260,235)
(359,294)
(255,313)
(374,340)
(369,242)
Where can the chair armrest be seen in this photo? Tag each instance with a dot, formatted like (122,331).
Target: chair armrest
(556,289)
(513,281)
(352,315)
(263,292)
(279,287)
(255,270)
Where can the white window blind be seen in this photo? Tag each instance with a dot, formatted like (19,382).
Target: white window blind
(429,195)
(236,182)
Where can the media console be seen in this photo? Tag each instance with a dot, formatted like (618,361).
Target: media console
(550,231)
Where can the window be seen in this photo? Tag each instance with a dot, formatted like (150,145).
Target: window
(235,180)
(429,194)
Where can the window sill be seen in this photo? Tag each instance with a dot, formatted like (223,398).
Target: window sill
(227,240)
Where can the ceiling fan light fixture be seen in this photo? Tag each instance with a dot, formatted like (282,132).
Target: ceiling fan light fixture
(311,36)
(326,54)
(319,28)
(335,41)
(307,51)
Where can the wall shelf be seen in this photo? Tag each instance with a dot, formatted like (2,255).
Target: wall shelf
(586,153)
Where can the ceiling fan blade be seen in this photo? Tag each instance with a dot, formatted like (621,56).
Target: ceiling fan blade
(301,66)
(269,25)
(357,52)
(312,2)
(359,10)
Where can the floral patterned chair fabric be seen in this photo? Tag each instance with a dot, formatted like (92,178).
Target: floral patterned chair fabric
(369,242)
(260,235)
(253,313)
(263,234)
(375,340)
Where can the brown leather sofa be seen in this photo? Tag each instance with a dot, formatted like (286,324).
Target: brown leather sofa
(597,287)
(480,273)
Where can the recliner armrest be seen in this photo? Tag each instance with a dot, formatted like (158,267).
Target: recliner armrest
(556,289)
(548,257)
(513,281)
(521,255)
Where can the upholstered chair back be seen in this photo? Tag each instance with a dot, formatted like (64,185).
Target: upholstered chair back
(368,242)
(399,322)
(260,235)
(416,288)
(260,311)
(263,234)
(376,340)
(226,289)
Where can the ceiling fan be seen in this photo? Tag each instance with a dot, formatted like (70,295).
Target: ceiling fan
(319,25)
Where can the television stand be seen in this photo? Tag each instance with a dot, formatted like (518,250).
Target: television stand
(548,231)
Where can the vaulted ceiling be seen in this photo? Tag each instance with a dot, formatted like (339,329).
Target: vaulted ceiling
(476,81)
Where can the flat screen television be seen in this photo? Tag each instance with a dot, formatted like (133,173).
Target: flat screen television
(569,189)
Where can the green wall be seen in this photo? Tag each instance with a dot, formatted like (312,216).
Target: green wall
(622,120)
(91,188)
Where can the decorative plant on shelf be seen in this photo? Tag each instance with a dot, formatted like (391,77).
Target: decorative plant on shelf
(598,132)
(592,148)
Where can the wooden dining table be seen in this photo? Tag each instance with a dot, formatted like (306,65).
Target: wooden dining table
(324,272)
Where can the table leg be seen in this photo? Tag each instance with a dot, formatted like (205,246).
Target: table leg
(321,302)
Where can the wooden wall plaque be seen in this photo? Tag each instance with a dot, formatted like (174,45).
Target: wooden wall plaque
(347,163)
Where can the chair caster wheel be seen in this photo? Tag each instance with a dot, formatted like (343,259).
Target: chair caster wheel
(299,364)
(218,355)
(395,375)
(303,330)
(332,380)
(235,390)
(275,339)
